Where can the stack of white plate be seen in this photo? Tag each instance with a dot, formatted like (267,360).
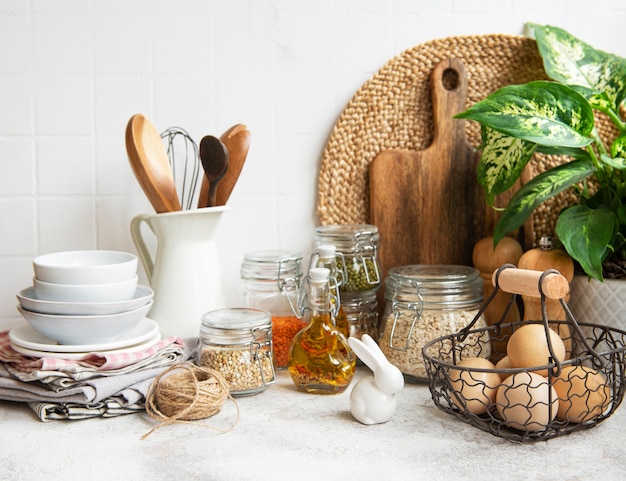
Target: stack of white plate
(69,316)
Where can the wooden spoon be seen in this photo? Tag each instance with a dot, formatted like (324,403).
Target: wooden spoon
(148,159)
(237,141)
(214,157)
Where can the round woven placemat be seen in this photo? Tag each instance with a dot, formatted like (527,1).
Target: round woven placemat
(393,110)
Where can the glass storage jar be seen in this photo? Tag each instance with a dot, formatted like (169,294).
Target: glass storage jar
(361,309)
(357,249)
(271,282)
(237,342)
(424,302)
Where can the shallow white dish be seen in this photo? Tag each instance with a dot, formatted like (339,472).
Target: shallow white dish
(28,300)
(85,267)
(118,291)
(25,336)
(74,356)
(85,329)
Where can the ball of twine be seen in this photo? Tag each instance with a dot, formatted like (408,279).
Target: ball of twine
(187,393)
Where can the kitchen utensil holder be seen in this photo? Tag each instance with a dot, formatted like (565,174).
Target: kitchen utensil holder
(601,348)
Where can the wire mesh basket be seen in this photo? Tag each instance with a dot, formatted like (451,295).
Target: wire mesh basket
(578,386)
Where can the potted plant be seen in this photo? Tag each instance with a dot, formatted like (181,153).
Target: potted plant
(558,117)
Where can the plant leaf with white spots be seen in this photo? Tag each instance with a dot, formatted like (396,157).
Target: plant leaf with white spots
(502,161)
(571,61)
(618,147)
(539,189)
(542,112)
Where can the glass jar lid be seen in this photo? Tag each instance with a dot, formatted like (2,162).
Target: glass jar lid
(434,286)
(271,265)
(235,326)
(348,238)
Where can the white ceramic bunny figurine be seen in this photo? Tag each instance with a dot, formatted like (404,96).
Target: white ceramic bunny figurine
(373,399)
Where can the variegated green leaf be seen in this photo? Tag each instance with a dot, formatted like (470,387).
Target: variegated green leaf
(597,100)
(502,161)
(573,62)
(587,235)
(618,163)
(618,147)
(542,112)
(574,153)
(539,189)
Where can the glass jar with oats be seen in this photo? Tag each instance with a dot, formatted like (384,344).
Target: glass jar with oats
(237,342)
(424,302)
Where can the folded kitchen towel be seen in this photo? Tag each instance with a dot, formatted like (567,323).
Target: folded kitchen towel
(97,385)
(90,391)
(70,411)
(94,364)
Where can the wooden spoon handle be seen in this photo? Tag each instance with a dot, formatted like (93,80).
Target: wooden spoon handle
(203,199)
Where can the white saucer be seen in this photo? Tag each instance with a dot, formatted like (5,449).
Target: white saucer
(73,356)
(26,337)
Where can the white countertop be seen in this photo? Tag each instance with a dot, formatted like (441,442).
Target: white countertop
(283,434)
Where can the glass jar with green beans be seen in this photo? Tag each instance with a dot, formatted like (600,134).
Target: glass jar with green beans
(357,247)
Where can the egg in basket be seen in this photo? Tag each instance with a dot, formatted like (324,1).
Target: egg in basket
(555,378)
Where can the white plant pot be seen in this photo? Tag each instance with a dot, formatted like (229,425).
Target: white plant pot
(598,302)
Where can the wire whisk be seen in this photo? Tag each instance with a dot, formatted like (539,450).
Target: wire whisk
(182,152)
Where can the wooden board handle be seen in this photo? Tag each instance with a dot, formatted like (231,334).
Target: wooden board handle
(448,83)
(526,283)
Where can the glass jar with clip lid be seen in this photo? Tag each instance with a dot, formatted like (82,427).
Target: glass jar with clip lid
(237,342)
(358,245)
(271,281)
(424,302)
(358,272)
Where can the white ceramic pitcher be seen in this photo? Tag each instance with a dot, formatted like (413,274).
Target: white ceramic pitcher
(185,272)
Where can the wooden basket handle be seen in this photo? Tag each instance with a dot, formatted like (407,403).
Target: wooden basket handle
(528,282)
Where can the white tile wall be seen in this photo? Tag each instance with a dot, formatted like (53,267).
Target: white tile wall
(72,72)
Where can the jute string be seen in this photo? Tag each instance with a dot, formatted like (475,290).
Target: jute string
(186,393)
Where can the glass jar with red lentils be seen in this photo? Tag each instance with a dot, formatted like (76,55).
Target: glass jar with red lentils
(271,282)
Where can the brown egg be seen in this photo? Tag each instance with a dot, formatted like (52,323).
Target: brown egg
(523,401)
(528,347)
(583,393)
(474,391)
(504,363)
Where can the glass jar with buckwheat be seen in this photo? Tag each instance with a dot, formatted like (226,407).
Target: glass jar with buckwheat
(237,342)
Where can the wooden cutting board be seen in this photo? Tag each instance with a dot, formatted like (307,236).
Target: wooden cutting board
(428,205)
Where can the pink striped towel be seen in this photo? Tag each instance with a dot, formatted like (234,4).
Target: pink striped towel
(95,361)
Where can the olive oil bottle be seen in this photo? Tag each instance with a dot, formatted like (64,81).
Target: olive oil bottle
(320,358)
(327,257)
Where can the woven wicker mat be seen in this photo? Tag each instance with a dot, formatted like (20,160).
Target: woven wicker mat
(393,109)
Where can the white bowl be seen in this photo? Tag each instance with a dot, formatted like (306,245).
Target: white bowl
(85,329)
(28,300)
(85,267)
(118,291)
